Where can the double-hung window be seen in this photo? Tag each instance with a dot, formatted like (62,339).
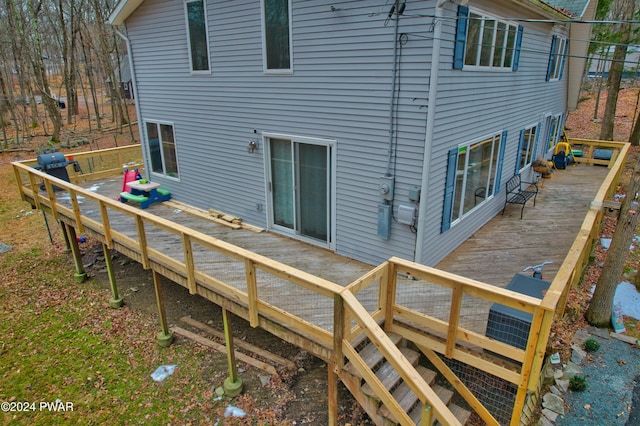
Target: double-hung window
(557,55)
(197,31)
(276,35)
(486,43)
(527,146)
(162,148)
(473,173)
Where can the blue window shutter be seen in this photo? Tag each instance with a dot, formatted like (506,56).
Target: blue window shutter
(519,154)
(449,188)
(554,40)
(516,53)
(461,37)
(563,59)
(503,144)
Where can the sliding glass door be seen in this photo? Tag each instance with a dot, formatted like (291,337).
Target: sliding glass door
(300,188)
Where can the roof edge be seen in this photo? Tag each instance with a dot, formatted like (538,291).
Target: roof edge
(552,11)
(123,10)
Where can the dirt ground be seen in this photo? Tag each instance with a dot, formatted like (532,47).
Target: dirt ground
(305,389)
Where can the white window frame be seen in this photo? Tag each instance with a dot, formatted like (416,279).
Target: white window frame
(554,131)
(492,176)
(206,35)
(485,20)
(557,58)
(266,69)
(158,123)
(531,143)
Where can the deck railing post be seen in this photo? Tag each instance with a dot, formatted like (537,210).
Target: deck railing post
(534,352)
(336,364)
(454,319)
(252,292)
(388,293)
(165,336)
(19,182)
(116,301)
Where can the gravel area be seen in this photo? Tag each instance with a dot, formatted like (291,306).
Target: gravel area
(612,396)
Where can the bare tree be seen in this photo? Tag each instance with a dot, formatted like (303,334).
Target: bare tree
(635,133)
(624,10)
(67,29)
(40,71)
(599,311)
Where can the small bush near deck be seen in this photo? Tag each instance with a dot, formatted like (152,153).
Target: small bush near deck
(578,383)
(591,345)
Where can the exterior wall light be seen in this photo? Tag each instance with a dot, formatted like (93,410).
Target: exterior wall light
(251,148)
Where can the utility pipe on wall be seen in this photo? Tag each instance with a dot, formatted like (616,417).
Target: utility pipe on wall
(134,85)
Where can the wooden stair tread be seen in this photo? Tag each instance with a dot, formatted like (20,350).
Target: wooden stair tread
(388,375)
(443,393)
(461,414)
(371,355)
(405,396)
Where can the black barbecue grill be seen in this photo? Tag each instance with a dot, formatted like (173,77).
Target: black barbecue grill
(55,164)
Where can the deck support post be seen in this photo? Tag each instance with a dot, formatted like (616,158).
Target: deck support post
(80,275)
(67,245)
(232,384)
(165,336)
(115,301)
(427,416)
(333,394)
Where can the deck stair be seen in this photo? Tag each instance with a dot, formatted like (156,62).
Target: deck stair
(392,381)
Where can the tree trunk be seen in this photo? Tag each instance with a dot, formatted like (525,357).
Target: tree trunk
(599,312)
(623,32)
(615,77)
(634,137)
(40,74)
(600,76)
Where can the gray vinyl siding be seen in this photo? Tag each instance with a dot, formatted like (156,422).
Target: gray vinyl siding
(472,104)
(339,90)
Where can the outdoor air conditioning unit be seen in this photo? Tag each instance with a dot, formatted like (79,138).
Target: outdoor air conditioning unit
(510,325)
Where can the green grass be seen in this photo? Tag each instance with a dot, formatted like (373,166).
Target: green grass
(59,340)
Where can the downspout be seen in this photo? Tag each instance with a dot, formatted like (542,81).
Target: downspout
(428,138)
(135,93)
(392,98)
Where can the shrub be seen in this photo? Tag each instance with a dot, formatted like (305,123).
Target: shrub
(591,345)
(578,383)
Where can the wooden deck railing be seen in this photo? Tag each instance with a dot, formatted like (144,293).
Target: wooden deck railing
(102,163)
(431,334)
(588,155)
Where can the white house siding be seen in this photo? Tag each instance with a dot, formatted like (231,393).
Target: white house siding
(339,90)
(471,104)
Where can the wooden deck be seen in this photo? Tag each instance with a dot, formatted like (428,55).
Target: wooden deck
(326,303)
